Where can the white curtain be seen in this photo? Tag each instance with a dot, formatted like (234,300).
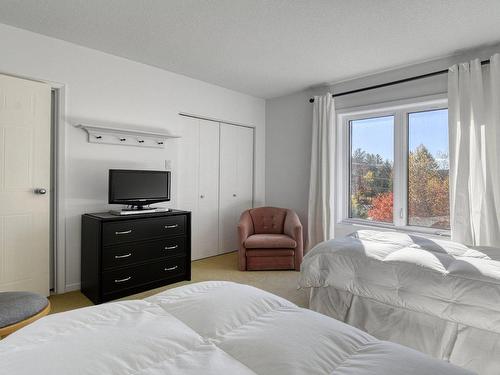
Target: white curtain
(474,130)
(321,193)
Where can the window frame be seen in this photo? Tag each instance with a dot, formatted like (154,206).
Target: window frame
(348,158)
(400,110)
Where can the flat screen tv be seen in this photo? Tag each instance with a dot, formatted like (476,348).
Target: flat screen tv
(138,188)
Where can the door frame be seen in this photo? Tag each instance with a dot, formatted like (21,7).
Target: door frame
(58,176)
(58,167)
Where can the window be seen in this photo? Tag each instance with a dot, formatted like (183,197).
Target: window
(397,166)
(371,164)
(428,169)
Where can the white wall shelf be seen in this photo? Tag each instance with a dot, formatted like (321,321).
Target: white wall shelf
(125,137)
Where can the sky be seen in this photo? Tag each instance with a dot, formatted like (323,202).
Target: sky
(375,135)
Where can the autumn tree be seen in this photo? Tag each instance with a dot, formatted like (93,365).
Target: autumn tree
(382,207)
(371,176)
(428,186)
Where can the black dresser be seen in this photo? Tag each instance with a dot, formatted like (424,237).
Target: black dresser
(123,255)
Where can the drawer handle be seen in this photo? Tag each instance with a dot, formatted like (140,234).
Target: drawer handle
(171,268)
(124,232)
(171,226)
(171,247)
(123,280)
(123,256)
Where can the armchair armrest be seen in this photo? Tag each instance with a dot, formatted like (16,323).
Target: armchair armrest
(293,227)
(245,227)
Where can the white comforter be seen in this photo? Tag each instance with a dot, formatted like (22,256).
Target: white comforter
(437,277)
(206,328)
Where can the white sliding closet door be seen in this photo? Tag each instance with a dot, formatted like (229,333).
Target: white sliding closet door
(215,182)
(24,185)
(198,183)
(236,181)
(207,236)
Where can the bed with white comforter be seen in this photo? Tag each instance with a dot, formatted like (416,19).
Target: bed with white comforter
(437,296)
(205,328)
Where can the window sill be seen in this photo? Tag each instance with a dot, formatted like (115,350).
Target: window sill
(405,229)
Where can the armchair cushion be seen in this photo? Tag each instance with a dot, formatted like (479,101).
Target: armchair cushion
(268,220)
(270,241)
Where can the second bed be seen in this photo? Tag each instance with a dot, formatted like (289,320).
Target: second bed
(439,297)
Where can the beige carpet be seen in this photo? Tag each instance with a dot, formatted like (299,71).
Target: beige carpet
(222,267)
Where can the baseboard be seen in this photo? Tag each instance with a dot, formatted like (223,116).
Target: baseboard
(71,287)
(216,255)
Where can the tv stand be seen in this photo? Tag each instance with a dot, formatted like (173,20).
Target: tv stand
(139,210)
(123,255)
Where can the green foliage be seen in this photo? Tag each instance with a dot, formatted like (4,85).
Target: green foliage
(428,186)
(371,176)
(428,190)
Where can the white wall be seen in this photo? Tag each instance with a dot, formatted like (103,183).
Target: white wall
(289,118)
(288,155)
(101,88)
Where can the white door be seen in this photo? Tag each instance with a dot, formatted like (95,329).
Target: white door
(236,181)
(207,236)
(24,167)
(187,174)
(198,185)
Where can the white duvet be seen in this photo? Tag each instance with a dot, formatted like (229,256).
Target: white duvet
(205,328)
(437,277)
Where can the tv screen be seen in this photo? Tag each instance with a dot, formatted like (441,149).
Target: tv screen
(138,187)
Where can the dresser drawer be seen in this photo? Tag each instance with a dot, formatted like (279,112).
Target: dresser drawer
(135,230)
(129,277)
(136,252)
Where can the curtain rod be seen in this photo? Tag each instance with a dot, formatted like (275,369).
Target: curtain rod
(439,72)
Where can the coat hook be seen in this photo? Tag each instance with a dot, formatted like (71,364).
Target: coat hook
(98,136)
(123,139)
(160,143)
(141,141)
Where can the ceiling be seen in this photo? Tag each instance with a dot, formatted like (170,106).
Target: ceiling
(266,48)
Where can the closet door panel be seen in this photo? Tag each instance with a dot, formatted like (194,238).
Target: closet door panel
(245,169)
(188,168)
(236,181)
(207,236)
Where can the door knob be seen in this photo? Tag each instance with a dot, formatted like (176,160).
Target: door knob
(40,191)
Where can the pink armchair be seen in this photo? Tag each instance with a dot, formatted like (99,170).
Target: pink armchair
(270,238)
